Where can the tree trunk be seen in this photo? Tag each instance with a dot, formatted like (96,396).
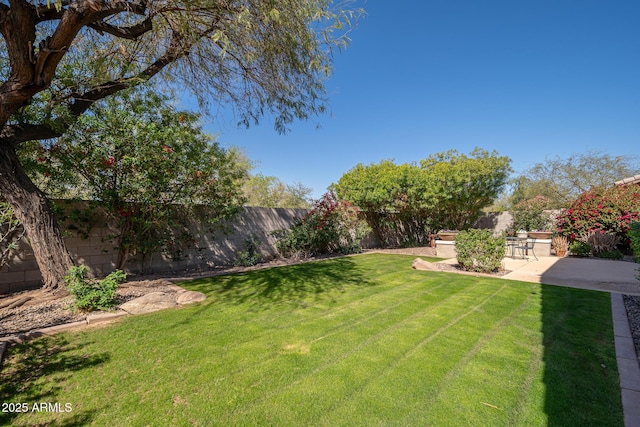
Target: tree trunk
(32,208)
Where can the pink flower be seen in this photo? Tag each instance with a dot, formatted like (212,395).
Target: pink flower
(110,161)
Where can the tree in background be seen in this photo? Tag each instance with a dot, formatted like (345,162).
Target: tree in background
(271,192)
(530,215)
(144,164)
(61,57)
(563,180)
(446,190)
(464,185)
(390,199)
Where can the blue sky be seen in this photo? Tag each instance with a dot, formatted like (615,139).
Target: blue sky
(530,79)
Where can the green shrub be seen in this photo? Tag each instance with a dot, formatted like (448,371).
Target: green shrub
(479,250)
(251,254)
(580,249)
(634,237)
(331,226)
(614,254)
(93,294)
(529,215)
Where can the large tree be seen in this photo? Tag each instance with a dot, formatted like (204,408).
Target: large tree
(60,58)
(464,184)
(393,198)
(446,190)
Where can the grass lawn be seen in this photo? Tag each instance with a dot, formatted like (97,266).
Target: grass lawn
(361,340)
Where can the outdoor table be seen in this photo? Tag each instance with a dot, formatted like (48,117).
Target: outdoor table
(522,245)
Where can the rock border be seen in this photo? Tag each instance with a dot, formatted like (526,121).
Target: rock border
(91,319)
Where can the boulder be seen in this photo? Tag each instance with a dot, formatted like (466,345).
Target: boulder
(150,302)
(189,297)
(420,264)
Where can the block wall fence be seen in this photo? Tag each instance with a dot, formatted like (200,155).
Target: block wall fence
(97,250)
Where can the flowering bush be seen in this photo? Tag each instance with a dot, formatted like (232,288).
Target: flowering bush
(609,210)
(331,226)
(146,166)
(529,214)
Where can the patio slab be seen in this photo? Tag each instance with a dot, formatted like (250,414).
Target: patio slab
(584,273)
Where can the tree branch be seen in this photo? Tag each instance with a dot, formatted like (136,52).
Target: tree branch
(32,72)
(16,134)
(130,33)
(83,101)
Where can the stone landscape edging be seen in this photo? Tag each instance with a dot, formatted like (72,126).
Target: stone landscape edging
(91,319)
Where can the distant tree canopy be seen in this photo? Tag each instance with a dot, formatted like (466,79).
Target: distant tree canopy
(445,191)
(271,192)
(563,180)
(59,58)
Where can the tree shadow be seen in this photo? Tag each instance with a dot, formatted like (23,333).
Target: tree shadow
(289,285)
(26,363)
(580,368)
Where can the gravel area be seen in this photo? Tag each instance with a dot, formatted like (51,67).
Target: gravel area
(42,310)
(632,304)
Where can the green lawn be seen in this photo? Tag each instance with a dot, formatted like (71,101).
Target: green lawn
(361,340)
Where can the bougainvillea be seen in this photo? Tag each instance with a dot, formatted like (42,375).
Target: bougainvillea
(609,210)
(332,225)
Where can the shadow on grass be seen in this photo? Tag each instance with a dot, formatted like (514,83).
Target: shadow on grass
(580,369)
(27,363)
(291,285)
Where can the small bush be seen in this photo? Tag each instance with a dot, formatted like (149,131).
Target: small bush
(295,242)
(614,254)
(479,250)
(251,254)
(331,226)
(529,215)
(91,294)
(580,249)
(634,237)
(601,241)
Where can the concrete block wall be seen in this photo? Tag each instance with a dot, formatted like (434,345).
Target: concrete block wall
(97,250)
(497,221)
